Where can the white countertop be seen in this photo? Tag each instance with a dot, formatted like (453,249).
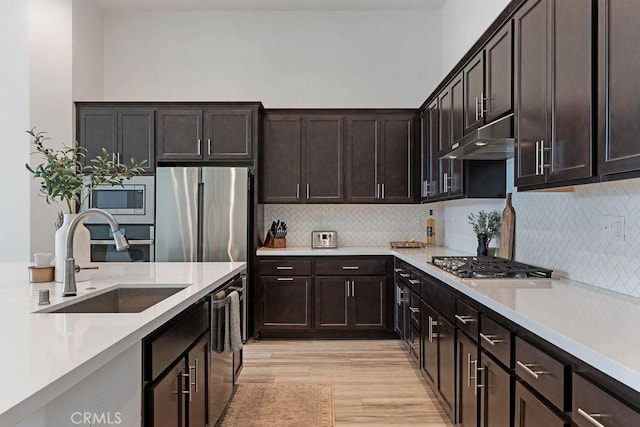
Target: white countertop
(595,325)
(44,354)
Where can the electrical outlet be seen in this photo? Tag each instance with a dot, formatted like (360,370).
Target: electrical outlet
(605,228)
(618,228)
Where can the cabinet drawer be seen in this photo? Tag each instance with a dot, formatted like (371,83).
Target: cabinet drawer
(162,349)
(285,267)
(591,403)
(496,339)
(467,319)
(530,411)
(414,310)
(351,267)
(543,372)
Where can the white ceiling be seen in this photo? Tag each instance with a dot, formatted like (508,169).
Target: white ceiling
(270,4)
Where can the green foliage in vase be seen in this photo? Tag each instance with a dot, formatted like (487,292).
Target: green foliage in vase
(485,223)
(63,176)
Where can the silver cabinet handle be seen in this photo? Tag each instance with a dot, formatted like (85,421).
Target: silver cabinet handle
(477,377)
(346,267)
(209,146)
(297,191)
(465,319)
(527,367)
(348,288)
(307,191)
(377,191)
(414,281)
(542,157)
(476,108)
(432,323)
(445,182)
(405,275)
(481,105)
(591,417)
(188,378)
(490,339)
(353,289)
(285,279)
(382,192)
(284,267)
(414,310)
(198,146)
(537,157)
(195,376)
(398,270)
(118,157)
(469,364)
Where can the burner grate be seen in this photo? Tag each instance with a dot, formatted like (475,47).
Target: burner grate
(488,267)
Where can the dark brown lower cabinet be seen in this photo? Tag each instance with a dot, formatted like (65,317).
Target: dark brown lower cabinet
(428,329)
(166,395)
(530,411)
(285,302)
(495,392)
(350,302)
(467,374)
(593,405)
(197,367)
(447,364)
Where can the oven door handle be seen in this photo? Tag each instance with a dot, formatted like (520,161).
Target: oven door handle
(131,242)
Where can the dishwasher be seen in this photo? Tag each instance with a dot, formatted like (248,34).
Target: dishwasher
(224,367)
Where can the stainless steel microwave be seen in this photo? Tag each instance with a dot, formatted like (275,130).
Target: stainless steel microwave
(133,202)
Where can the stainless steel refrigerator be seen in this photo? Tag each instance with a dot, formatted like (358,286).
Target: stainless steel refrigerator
(202,214)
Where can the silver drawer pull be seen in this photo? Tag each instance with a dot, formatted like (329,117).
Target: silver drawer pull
(414,281)
(398,270)
(346,267)
(414,309)
(465,319)
(591,417)
(284,267)
(527,367)
(285,279)
(405,275)
(490,339)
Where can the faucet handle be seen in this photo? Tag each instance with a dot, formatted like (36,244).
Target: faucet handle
(93,267)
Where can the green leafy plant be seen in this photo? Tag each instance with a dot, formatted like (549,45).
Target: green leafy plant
(64,177)
(485,223)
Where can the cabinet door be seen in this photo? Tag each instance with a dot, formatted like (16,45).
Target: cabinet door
(323,148)
(467,375)
(457,131)
(98,129)
(473,75)
(197,365)
(396,160)
(618,86)
(285,302)
(498,56)
(430,153)
(495,394)
(444,108)
(531,68)
(369,306)
(179,134)
(429,333)
(228,134)
(332,302)
(530,411)
(136,136)
(446,363)
(167,397)
(363,147)
(281,164)
(571,140)
(592,404)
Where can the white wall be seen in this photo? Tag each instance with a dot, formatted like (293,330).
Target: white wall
(50,50)
(284,59)
(14,120)
(88,51)
(463,21)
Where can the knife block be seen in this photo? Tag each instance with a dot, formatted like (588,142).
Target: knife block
(275,242)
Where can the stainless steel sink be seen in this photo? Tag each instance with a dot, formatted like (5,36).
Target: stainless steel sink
(119,300)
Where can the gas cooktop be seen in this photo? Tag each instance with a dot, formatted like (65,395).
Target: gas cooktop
(486,267)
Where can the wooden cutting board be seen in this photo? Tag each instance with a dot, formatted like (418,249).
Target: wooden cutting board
(507,231)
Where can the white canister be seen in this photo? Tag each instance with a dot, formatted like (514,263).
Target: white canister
(81,248)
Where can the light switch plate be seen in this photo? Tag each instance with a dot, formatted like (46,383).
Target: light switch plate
(618,229)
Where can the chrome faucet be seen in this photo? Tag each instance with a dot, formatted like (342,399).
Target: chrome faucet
(69,285)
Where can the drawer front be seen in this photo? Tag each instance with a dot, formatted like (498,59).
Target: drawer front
(444,302)
(496,339)
(543,372)
(352,267)
(287,267)
(530,411)
(165,348)
(593,405)
(467,319)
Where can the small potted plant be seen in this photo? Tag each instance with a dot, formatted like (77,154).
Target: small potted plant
(486,225)
(64,178)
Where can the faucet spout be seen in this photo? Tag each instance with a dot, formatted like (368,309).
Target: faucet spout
(69,285)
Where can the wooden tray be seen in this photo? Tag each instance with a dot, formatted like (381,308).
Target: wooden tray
(407,245)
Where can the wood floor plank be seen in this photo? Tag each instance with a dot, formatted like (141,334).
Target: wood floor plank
(374,380)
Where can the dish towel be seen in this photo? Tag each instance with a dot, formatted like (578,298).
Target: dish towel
(232,336)
(218,324)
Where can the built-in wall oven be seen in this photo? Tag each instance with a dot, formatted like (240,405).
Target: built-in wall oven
(133,202)
(139,236)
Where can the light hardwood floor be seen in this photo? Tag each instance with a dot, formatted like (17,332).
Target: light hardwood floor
(374,381)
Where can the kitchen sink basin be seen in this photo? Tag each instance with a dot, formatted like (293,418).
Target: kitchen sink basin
(120,300)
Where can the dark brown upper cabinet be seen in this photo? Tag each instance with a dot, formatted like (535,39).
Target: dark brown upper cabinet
(396,162)
(473,75)
(362,152)
(179,134)
(228,134)
(451,124)
(618,86)
(429,121)
(553,91)
(302,159)
(125,132)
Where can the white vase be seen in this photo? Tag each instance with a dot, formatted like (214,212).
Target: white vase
(81,248)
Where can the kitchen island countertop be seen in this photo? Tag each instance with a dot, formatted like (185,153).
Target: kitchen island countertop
(45,354)
(595,325)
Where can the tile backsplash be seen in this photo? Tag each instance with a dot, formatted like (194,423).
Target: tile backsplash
(357,225)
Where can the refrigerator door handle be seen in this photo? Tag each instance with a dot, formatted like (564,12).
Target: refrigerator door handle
(201,248)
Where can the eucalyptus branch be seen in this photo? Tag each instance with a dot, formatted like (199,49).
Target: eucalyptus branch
(485,223)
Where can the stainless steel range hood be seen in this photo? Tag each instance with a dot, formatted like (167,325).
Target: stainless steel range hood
(493,141)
